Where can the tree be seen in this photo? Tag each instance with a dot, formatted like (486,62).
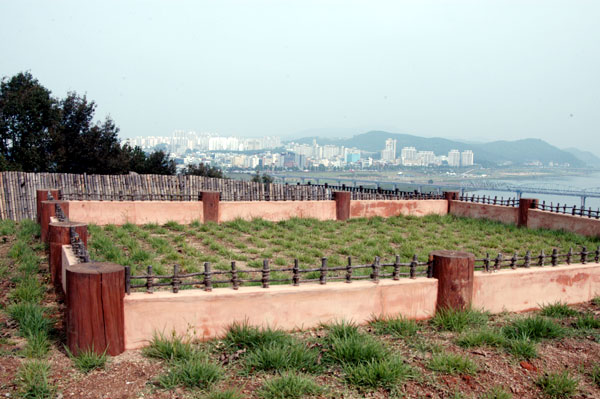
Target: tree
(28,115)
(265,178)
(158,163)
(203,170)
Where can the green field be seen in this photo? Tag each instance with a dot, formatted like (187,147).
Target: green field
(308,240)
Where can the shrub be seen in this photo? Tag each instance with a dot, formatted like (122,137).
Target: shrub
(397,326)
(534,328)
(169,347)
(457,320)
(558,385)
(452,364)
(288,386)
(383,373)
(558,310)
(278,357)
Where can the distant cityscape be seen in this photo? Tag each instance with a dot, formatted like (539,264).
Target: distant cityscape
(231,152)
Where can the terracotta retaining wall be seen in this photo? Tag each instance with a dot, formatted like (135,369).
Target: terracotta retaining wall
(397,207)
(208,314)
(136,212)
(503,214)
(555,221)
(526,289)
(276,210)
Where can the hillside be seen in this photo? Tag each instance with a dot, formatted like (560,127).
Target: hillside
(518,152)
(586,156)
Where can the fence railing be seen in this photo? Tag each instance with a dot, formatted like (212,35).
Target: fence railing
(264,277)
(569,210)
(514,202)
(553,258)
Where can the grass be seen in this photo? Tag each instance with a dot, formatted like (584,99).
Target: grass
(276,357)
(289,386)
(227,394)
(497,392)
(169,347)
(522,348)
(243,336)
(33,380)
(458,320)
(558,385)
(395,326)
(385,373)
(483,337)
(309,239)
(31,318)
(355,349)
(450,363)
(533,328)
(88,360)
(196,372)
(587,321)
(594,374)
(558,310)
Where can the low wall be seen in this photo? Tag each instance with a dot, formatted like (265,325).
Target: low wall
(503,214)
(529,288)
(208,314)
(136,212)
(555,221)
(68,259)
(276,210)
(389,208)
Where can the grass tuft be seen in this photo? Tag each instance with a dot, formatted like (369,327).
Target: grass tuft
(277,357)
(37,346)
(289,386)
(396,326)
(169,348)
(33,380)
(483,337)
(451,363)
(458,320)
(586,321)
(355,349)
(558,385)
(595,374)
(521,348)
(385,373)
(534,328)
(88,360)
(195,372)
(31,318)
(227,394)
(244,336)
(497,392)
(558,310)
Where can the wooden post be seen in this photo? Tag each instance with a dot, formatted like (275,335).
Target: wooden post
(210,206)
(525,204)
(95,318)
(42,195)
(342,204)
(451,196)
(59,234)
(48,211)
(454,271)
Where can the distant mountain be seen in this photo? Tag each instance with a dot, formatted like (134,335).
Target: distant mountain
(518,152)
(587,157)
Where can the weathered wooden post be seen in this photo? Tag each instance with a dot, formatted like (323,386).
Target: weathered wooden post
(525,204)
(451,196)
(59,234)
(95,318)
(342,204)
(455,272)
(48,211)
(42,195)
(210,205)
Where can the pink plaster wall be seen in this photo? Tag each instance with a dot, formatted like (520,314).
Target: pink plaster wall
(207,314)
(136,212)
(276,210)
(68,259)
(537,219)
(504,214)
(371,208)
(529,288)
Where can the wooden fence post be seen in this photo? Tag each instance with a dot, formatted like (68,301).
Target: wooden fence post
(48,211)
(59,234)
(451,196)
(525,204)
(342,204)
(455,272)
(210,205)
(95,318)
(42,195)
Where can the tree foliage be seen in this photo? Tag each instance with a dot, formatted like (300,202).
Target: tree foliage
(203,170)
(39,133)
(265,178)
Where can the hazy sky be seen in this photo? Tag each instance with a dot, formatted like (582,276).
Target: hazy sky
(457,69)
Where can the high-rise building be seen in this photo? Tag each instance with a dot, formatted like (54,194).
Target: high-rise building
(389,152)
(408,155)
(466,158)
(454,158)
